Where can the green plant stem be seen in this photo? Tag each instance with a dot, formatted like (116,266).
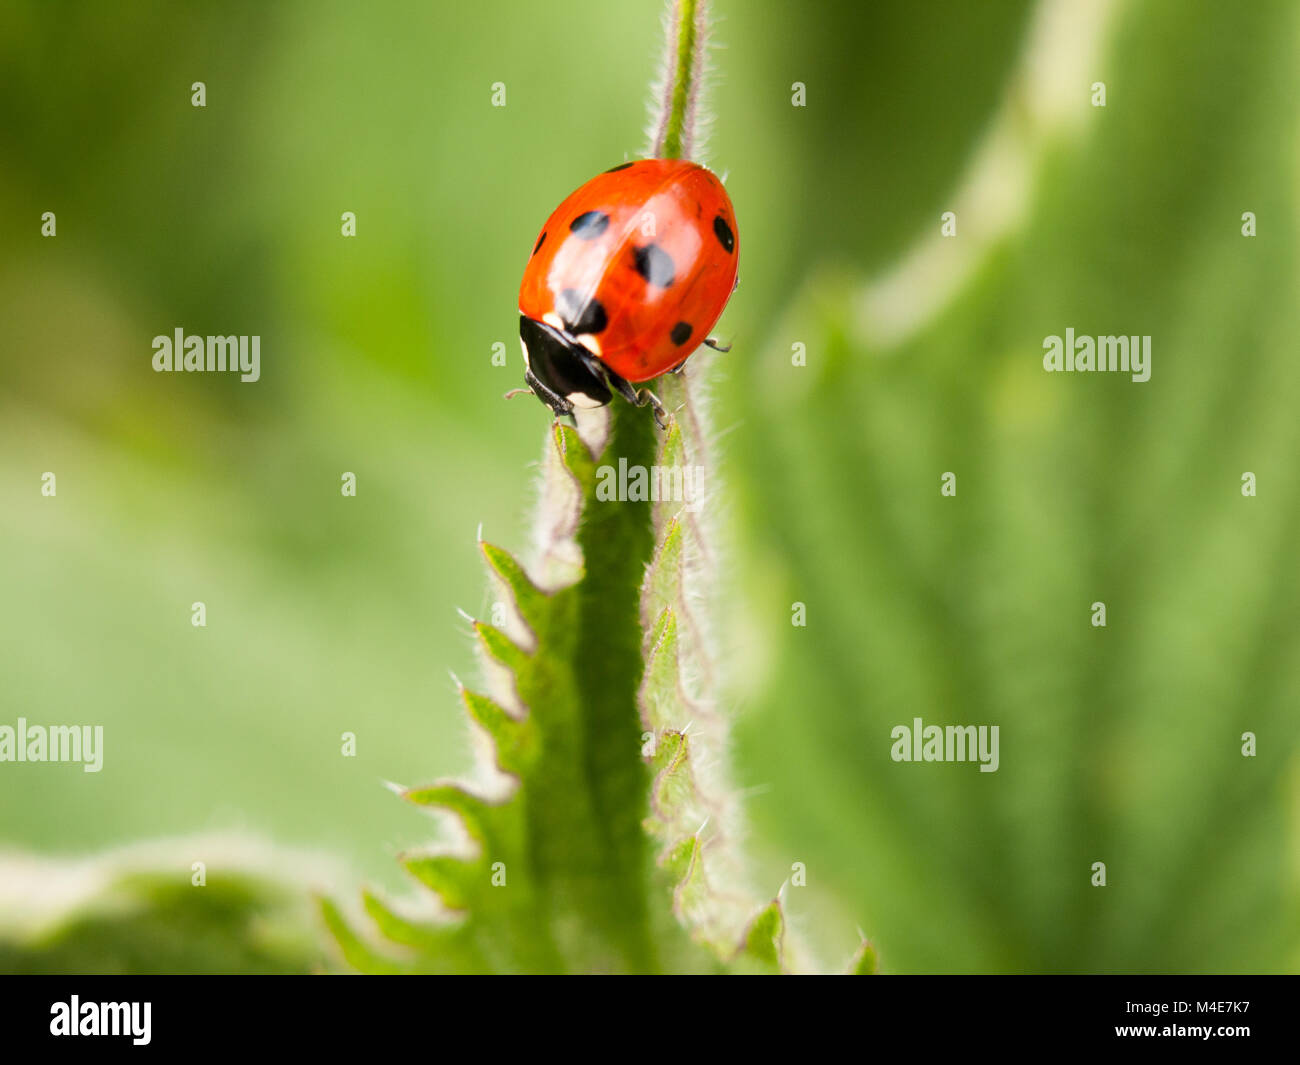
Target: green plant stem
(617,542)
(675,131)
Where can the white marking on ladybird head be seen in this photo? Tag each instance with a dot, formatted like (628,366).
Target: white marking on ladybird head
(590,343)
(527,365)
(581,399)
(553,320)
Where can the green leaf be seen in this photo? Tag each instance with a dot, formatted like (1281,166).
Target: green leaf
(864,961)
(132,913)
(607,640)
(554,872)
(764,935)
(1119,744)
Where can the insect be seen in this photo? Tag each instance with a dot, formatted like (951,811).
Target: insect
(625,280)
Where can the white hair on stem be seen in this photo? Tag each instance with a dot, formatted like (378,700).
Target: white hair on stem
(678,121)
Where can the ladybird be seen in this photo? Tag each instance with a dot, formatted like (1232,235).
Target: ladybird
(625,280)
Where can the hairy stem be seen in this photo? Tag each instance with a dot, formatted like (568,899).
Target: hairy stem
(683,72)
(617,541)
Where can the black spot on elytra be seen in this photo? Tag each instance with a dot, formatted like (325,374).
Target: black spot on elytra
(540,241)
(681,333)
(579,316)
(723,232)
(589,225)
(621,166)
(655,265)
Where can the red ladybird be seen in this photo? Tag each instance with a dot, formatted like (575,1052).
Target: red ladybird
(627,278)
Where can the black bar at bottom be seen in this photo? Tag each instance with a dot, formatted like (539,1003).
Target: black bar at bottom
(438,1016)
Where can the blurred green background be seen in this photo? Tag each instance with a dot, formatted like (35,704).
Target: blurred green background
(328,614)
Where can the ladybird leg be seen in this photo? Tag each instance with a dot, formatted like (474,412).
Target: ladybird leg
(711,342)
(559,404)
(645,396)
(638,397)
(679,367)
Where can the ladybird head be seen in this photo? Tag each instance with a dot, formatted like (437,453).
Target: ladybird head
(561,372)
